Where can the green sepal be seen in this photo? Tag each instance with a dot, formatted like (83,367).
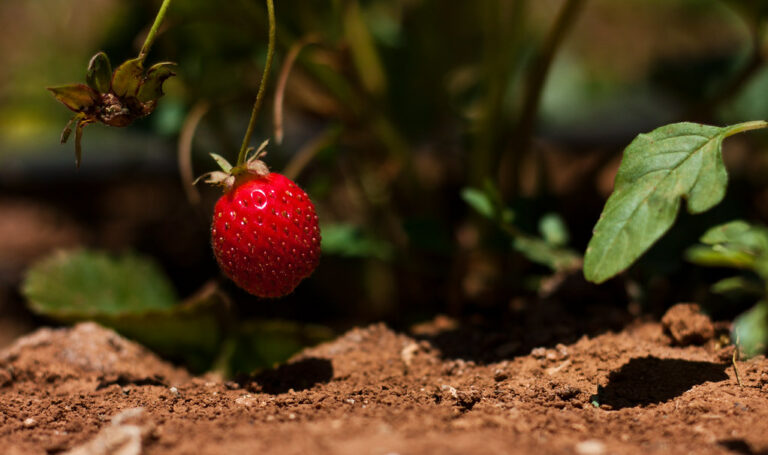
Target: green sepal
(222,162)
(99,75)
(127,78)
(152,87)
(77,97)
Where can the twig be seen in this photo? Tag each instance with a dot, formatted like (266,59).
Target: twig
(308,151)
(184,150)
(734,359)
(535,81)
(282,81)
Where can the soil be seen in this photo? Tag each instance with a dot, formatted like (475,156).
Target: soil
(86,390)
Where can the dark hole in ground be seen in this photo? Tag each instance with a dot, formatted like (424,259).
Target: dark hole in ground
(649,380)
(299,375)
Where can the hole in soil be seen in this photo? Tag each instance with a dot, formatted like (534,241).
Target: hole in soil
(300,375)
(649,380)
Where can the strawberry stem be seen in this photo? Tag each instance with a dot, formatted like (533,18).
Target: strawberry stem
(153,31)
(262,86)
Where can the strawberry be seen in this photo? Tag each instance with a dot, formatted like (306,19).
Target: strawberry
(265,233)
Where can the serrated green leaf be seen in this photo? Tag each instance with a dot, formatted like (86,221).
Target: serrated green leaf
(127,78)
(99,74)
(544,253)
(77,97)
(82,284)
(750,329)
(152,87)
(479,201)
(674,162)
(553,229)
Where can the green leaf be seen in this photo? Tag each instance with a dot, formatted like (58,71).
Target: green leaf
(544,253)
(738,286)
(130,294)
(99,75)
(719,256)
(152,87)
(735,244)
(553,229)
(77,97)
(82,284)
(750,329)
(674,162)
(479,201)
(350,241)
(127,78)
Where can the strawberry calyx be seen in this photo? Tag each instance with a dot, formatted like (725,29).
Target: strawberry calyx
(112,98)
(228,176)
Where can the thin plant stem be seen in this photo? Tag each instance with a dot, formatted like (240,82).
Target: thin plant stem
(153,31)
(535,82)
(262,85)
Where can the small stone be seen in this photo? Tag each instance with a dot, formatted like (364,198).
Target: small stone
(30,422)
(500,375)
(590,447)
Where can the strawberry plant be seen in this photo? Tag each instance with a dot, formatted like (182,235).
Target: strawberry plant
(681,161)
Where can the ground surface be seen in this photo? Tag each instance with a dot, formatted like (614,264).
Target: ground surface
(374,391)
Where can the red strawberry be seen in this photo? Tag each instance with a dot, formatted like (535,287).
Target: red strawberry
(265,234)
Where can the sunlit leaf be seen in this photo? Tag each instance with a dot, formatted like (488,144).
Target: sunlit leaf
(77,97)
(751,329)
(127,78)
(99,74)
(674,162)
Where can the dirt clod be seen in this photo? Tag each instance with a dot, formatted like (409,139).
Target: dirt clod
(686,325)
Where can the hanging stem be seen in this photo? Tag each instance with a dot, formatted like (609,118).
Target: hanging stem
(153,31)
(262,85)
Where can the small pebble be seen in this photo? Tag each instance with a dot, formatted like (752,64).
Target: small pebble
(29,422)
(590,447)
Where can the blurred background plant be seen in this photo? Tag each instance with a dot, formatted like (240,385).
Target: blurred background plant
(458,155)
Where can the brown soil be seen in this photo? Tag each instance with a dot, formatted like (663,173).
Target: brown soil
(374,391)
